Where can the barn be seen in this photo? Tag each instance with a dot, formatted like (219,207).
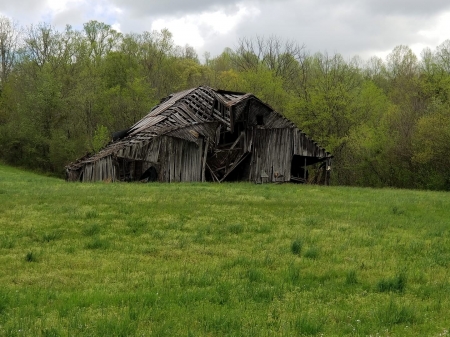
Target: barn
(203,134)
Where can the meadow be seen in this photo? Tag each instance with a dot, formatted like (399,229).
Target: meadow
(235,259)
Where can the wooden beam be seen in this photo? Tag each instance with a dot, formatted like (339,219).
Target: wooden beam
(205,154)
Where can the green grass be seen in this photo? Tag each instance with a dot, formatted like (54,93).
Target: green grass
(220,259)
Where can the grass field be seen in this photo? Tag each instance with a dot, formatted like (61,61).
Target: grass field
(220,259)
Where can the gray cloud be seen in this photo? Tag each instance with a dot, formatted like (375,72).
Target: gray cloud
(350,27)
(23,12)
(73,16)
(418,8)
(346,27)
(153,8)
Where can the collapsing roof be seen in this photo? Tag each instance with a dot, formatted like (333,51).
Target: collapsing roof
(205,134)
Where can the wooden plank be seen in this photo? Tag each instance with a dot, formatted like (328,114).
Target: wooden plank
(205,154)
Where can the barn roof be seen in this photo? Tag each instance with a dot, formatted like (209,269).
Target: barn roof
(188,114)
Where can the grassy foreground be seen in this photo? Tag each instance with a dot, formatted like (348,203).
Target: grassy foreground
(220,260)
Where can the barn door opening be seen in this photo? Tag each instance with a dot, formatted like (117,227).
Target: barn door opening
(136,170)
(299,170)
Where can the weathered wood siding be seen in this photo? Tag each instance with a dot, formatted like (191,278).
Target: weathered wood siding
(103,169)
(179,160)
(272,155)
(304,146)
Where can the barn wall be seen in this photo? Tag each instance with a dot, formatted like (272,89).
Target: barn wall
(304,146)
(272,155)
(103,169)
(179,160)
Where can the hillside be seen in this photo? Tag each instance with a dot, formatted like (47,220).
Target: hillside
(220,259)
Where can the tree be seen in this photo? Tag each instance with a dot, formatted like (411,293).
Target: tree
(9,43)
(431,145)
(101,38)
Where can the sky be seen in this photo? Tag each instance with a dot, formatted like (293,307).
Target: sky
(362,28)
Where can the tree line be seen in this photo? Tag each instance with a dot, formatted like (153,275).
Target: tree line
(62,94)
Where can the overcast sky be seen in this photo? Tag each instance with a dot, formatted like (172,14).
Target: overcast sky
(350,27)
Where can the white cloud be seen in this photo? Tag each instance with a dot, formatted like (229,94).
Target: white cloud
(196,29)
(56,6)
(440,31)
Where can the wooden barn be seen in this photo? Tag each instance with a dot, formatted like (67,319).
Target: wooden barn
(203,134)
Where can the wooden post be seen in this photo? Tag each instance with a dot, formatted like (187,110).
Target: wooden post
(205,154)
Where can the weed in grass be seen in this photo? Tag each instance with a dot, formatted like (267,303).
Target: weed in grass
(175,225)
(307,326)
(262,293)
(397,211)
(293,274)
(116,326)
(394,313)
(395,284)
(222,324)
(269,261)
(50,332)
(311,222)
(4,301)
(98,243)
(31,257)
(296,247)
(263,229)
(182,243)
(440,255)
(91,214)
(69,249)
(136,226)
(32,235)
(223,290)
(351,278)
(91,229)
(157,234)
(312,253)
(236,228)
(254,275)
(163,330)
(7,242)
(152,251)
(47,237)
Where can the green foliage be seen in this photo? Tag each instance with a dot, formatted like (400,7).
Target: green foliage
(101,138)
